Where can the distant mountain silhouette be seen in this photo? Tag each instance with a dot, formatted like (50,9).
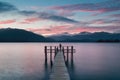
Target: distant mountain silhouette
(87,37)
(20,35)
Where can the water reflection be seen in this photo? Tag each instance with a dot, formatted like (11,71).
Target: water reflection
(92,61)
(46,70)
(70,66)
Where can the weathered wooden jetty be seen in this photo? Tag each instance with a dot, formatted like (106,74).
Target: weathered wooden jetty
(61,54)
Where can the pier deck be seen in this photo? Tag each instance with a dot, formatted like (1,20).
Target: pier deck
(59,69)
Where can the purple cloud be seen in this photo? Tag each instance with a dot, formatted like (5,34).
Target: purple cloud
(107,6)
(115,15)
(6,7)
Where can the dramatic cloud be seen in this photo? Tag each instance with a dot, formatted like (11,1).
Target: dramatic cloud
(108,6)
(60,19)
(71,29)
(44,15)
(48,16)
(52,30)
(56,18)
(4,7)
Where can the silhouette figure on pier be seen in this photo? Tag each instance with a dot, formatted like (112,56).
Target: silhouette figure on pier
(60,47)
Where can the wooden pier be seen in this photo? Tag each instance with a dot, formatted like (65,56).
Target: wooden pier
(61,54)
(59,69)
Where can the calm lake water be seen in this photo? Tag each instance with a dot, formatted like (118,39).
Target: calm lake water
(92,61)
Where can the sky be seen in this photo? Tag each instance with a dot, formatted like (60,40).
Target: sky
(49,17)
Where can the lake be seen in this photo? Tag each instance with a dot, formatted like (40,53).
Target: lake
(92,61)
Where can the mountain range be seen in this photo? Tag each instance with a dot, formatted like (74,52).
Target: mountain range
(87,37)
(20,35)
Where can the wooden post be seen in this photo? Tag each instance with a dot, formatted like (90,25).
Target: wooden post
(71,53)
(45,53)
(72,61)
(67,53)
(50,53)
(51,56)
(63,52)
(63,49)
(55,51)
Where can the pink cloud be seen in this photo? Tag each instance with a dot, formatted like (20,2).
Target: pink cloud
(30,20)
(94,29)
(24,22)
(85,29)
(53,30)
(72,30)
(106,6)
(89,10)
(75,8)
(7,22)
(98,22)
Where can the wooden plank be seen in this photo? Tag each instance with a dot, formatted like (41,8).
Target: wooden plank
(59,69)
